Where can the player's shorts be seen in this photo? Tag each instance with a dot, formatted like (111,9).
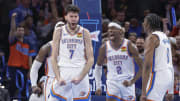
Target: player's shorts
(47,87)
(116,90)
(70,91)
(158,84)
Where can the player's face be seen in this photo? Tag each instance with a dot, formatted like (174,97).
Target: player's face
(72,19)
(20,32)
(115,34)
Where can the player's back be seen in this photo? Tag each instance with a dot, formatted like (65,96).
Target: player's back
(72,48)
(119,62)
(162,58)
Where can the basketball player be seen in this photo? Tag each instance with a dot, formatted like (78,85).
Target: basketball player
(73,48)
(120,55)
(157,77)
(44,53)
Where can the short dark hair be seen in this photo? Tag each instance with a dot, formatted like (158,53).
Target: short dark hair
(27,16)
(72,8)
(154,21)
(20,26)
(140,37)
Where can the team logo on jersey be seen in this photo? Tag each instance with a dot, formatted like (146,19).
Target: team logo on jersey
(123,49)
(79,35)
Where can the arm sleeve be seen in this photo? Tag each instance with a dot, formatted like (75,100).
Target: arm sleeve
(34,72)
(98,75)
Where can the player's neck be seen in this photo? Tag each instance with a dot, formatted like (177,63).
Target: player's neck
(117,43)
(72,29)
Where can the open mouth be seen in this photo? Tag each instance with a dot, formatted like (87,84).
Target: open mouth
(73,24)
(111,37)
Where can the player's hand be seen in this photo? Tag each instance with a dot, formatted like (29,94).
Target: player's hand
(127,83)
(14,14)
(36,90)
(169,97)
(76,80)
(98,92)
(143,98)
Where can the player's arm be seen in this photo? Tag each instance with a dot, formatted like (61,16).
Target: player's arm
(13,27)
(30,61)
(37,63)
(98,68)
(151,43)
(138,60)
(89,54)
(55,50)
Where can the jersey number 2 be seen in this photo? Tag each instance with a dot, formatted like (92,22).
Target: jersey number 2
(119,70)
(71,52)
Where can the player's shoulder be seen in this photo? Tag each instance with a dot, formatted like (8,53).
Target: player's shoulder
(152,40)
(84,29)
(152,37)
(59,28)
(46,46)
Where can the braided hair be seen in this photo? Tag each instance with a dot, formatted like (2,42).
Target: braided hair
(154,21)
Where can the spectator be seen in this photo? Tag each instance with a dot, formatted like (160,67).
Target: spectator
(135,27)
(111,14)
(138,84)
(126,26)
(176,64)
(140,46)
(105,23)
(19,58)
(132,37)
(29,33)
(165,26)
(22,11)
(120,17)
(145,13)
(176,29)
